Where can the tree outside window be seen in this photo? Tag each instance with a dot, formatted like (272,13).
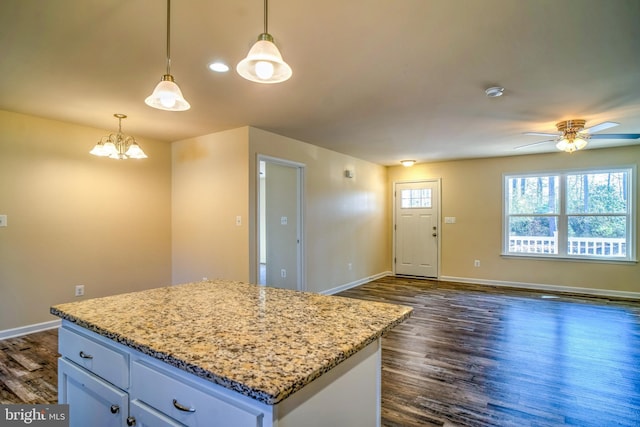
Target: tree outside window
(585,214)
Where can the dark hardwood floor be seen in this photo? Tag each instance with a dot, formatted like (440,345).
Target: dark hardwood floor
(29,368)
(469,356)
(481,356)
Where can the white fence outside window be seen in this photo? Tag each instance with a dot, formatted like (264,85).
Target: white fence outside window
(597,246)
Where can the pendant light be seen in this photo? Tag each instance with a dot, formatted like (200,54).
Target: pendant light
(167,94)
(264,64)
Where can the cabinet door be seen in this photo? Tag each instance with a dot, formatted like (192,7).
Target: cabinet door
(146,416)
(92,401)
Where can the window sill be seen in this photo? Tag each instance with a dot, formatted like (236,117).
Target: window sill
(542,257)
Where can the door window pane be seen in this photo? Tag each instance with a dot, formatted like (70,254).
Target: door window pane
(416,199)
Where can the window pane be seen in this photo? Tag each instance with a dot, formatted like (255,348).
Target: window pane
(533,235)
(601,192)
(420,198)
(533,195)
(597,235)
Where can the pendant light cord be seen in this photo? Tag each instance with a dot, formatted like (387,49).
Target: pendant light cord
(266,14)
(169,36)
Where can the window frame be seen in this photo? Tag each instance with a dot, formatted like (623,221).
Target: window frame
(563,215)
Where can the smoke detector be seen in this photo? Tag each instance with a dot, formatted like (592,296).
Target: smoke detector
(494,92)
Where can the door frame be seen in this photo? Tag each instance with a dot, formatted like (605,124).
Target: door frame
(300,175)
(438,182)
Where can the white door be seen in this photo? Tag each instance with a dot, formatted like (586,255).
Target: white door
(417,217)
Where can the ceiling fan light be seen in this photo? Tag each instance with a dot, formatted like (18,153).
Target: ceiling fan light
(167,96)
(264,63)
(580,143)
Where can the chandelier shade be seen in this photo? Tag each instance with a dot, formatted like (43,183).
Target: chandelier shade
(118,145)
(167,95)
(264,63)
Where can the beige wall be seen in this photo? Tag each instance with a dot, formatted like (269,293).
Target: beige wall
(210,189)
(346,219)
(472,192)
(77,219)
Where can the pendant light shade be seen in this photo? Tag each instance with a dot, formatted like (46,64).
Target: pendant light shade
(167,95)
(264,63)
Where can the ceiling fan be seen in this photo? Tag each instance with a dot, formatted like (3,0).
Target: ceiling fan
(572,135)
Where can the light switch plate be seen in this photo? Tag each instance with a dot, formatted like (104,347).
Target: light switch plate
(449,219)
(3,220)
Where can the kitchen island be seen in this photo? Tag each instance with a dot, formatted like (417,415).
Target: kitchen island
(223,353)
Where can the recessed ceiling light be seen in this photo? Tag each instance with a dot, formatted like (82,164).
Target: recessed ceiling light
(494,92)
(219,67)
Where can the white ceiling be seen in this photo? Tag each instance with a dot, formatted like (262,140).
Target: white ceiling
(380,80)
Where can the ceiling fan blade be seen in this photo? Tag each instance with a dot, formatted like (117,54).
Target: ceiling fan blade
(616,136)
(533,144)
(600,126)
(540,134)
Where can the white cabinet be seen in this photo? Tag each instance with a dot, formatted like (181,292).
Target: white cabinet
(186,401)
(109,385)
(92,401)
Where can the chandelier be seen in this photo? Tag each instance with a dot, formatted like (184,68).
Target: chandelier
(118,145)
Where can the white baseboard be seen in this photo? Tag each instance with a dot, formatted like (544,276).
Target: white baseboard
(29,329)
(544,287)
(355,283)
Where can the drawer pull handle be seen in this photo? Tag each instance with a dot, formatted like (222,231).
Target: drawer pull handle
(131,421)
(115,409)
(85,355)
(183,408)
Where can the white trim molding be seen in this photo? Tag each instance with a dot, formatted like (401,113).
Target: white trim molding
(29,329)
(356,283)
(544,287)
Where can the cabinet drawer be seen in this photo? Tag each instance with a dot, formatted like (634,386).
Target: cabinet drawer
(166,392)
(100,358)
(146,416)
(92,401)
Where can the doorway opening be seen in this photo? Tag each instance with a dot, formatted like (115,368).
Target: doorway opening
(280,223)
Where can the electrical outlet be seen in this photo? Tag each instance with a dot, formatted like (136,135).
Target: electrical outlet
(350,266)
(3,220)
(238,220)
(476,263)
(283,273)
(79,290)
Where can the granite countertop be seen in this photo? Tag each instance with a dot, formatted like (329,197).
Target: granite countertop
(263,342)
